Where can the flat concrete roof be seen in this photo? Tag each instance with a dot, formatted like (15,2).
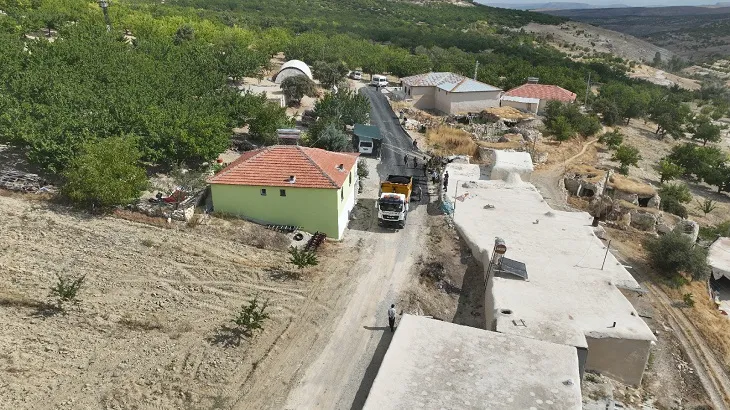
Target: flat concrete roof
(439,365)
(554,332)
(562,255)
(718,258)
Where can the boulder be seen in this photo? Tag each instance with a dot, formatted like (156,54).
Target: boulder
(689,228)
(643,221)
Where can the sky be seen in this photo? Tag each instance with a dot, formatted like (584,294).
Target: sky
(635,3)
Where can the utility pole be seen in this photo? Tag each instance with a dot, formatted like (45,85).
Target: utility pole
(588,90)
(104,4)
(476,68)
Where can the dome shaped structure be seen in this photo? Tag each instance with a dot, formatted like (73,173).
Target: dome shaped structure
(292,68)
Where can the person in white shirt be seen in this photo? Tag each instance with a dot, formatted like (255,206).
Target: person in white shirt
(391,318)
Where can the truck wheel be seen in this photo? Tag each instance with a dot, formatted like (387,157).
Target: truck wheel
(402,225)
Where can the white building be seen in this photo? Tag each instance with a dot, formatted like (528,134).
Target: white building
(450,93)
(435,365)
(551,283)
(292,68)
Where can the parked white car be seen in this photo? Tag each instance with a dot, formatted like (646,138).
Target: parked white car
(356,75)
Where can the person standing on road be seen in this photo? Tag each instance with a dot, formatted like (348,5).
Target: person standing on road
(405,159)
(391,318)
(446,180)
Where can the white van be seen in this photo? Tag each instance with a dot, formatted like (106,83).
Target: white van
(379,81)
(365,147)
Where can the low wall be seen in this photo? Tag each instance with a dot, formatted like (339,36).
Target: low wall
(621,359)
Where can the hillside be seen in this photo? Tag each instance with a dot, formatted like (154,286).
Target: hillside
(701,32)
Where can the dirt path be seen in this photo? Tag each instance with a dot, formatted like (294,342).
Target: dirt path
(547,181)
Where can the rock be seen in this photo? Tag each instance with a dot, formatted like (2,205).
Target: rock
(600,232)
(663,229)
(643,221)
(689,228)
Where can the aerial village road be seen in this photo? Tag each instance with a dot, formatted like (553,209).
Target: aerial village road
(341,375)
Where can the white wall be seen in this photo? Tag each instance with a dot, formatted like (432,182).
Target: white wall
(423,97)
(461,103)
(526,107)
(344,217)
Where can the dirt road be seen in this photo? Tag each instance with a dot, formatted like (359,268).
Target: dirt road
(341,375)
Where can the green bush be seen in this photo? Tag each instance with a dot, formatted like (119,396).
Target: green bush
(675,253)
(668,170)
(296,87)
(302,258)
(680,192)
(612,139)
(105,174)
(362,169)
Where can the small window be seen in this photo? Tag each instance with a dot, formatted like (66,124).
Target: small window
(282,192)
(350,178)
(342,194)
(263,191)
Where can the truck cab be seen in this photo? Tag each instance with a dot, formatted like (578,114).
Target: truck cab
(392,209)
(395,194)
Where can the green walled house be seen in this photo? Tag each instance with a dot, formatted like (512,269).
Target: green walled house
(290,185)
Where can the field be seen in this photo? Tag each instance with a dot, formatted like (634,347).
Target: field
(152,328)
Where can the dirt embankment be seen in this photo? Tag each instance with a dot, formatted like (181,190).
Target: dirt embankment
(148,331)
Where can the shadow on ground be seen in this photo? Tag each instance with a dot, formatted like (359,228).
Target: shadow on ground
(373,367)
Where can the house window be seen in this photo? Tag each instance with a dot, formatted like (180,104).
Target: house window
(263,191)
(342,194)
(282,192)
(350,178)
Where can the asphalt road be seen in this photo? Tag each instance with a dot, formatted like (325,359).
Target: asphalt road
(396,142)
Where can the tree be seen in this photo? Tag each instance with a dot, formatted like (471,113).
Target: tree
(588,125)
(680,192)
(344,107)
(561,129)
(105,174)
(705,131)
(668,170)
(266,119)
(184,34)
(329,74)
(331,138)
(675,253)
(612,139)
(669,115)
(627,156)
(719,176)
(296,87)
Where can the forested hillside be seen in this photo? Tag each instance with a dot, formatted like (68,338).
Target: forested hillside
(164,84)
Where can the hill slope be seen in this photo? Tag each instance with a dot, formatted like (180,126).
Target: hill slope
(700,33)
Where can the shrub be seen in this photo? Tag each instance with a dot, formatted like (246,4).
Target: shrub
(673,196)
(105,174)
(688,300)
(561,129)
(673,206)
(675,253)
(706,206)
(251,317)
(362,169)
(302,258)
(66,289)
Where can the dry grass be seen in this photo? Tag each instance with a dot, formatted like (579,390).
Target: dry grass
(626,184)
(502,145)
(713,326)
(141,324)
(509,113)
(589,173)
(447,141)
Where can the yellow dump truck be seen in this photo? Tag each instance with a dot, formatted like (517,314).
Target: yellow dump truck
(395,194)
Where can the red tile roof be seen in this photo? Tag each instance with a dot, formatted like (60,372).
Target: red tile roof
(272,166)
(543,92)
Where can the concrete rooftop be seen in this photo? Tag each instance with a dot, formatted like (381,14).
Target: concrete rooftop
(439,365)
(719,258)
(562,255)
